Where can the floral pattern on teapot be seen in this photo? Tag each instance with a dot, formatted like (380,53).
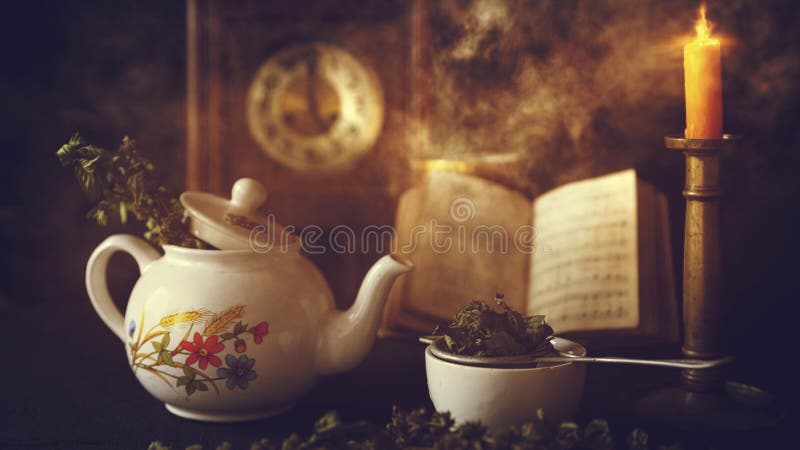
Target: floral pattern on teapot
(195,363)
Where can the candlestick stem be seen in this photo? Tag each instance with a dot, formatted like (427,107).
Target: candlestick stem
(702,308)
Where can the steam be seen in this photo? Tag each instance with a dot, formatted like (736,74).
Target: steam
(579,88)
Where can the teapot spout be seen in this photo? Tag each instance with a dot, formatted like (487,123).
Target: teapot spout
(346,337)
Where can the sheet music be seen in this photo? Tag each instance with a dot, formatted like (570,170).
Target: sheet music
(584,272)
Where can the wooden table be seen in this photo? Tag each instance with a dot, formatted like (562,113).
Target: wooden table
(67,385)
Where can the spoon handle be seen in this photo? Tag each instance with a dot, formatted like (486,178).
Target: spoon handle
(675,363)
(428,339)
(531,359)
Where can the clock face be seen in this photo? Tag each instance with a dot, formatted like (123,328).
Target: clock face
(314,107)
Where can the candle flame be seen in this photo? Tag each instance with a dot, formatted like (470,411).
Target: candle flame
(703,26)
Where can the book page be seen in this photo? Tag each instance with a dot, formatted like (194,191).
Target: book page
(459,231)
(584,272)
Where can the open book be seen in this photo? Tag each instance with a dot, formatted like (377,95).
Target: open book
(593,256)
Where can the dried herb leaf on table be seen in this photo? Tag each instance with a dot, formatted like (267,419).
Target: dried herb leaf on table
(478,330)
(123,183)
(425,429)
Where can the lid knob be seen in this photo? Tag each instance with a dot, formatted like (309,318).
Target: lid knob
(248,195)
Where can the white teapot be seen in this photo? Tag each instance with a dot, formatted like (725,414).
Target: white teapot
(235,334)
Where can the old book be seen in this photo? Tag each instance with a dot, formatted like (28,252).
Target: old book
(593,256)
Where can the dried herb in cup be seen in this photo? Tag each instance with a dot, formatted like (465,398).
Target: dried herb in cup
(478,330)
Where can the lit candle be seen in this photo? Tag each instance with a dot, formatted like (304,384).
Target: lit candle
(703,80)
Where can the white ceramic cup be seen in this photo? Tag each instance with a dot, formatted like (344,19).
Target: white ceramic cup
(500,397)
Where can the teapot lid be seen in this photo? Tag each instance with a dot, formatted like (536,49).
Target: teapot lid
(233,224)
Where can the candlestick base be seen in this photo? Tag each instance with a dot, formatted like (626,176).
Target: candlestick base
(738,407)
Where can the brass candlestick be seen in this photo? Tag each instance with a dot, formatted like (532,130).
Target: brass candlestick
(704,400)
(701,257)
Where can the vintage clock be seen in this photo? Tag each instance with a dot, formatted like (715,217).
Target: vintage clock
(310,97)
(315,107)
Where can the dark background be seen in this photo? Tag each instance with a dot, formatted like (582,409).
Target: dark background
(114,68)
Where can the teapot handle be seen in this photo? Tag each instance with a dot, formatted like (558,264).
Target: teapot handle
(96,284)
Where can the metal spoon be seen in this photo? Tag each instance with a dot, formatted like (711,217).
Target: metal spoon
(569,351)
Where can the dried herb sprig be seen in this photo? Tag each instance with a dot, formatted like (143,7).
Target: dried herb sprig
(424,429)
(478,330)
(418,427)
(123,182)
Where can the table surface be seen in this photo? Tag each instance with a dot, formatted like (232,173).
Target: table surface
(68,386)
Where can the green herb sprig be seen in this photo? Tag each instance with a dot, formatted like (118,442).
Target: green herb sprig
(123,183)
(478,330)
(424,429)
